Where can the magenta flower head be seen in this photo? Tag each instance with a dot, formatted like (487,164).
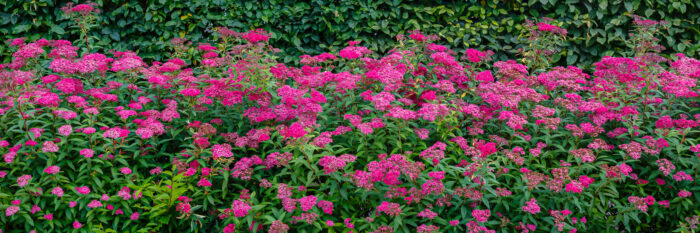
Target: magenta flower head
(125,170)
(83,190)
(11,210)
(240,209)
(307,202)
(49,146)
(94,204)
(87,153)
(58,191)
(204,183)
(156,171)
(190,92)
(256,36)
(52,169)
(221,150)
(481,215)
(230,228)
(23,180)
(77,225)
(531,206)
(295,130)
(65,130)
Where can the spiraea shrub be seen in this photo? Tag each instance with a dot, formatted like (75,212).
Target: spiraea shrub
(221,137)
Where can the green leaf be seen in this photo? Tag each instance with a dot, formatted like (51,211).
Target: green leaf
(57,29)
(115,35)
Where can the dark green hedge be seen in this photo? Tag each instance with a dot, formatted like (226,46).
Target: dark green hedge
(596,27)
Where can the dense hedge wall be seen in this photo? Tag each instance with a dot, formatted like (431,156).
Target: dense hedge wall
(596,27)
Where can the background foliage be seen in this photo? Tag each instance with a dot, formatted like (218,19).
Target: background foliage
(596,27)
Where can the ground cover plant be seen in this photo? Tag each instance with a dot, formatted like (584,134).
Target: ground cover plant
(596,28)
(221,137)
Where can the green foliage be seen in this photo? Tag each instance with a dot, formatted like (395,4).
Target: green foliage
(596,27)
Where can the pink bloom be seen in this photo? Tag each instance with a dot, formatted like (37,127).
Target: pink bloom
(326,206)
(551,28)
(684,193)
(296,130)
(124,193)
(481,215)
(190,92)
(156,171)
(348,223)
(485,76)
(649,200)
(49,146)
(23,180)
(474,55)
(665,166)
(639,203)
(134,216)
(230,228)
(531,206)
(255,36)
(585,181)
(65,130)
(87,153)
(240,209)
(89,130)
(681,176)
(52,169)
(428,95)
(144,133)
(487,149)
(263,137)
(125,170)
(221,150)
(204,183)
(77,225)
(422,133)
(660,181)
(94,204)
(83,190)
(574,186)
(58,191)
(332,164)
(392,209)
(427,213)
(30,143)
(11,210)
(35,209)
(307,202)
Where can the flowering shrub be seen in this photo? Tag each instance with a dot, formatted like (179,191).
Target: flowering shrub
(222,138)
